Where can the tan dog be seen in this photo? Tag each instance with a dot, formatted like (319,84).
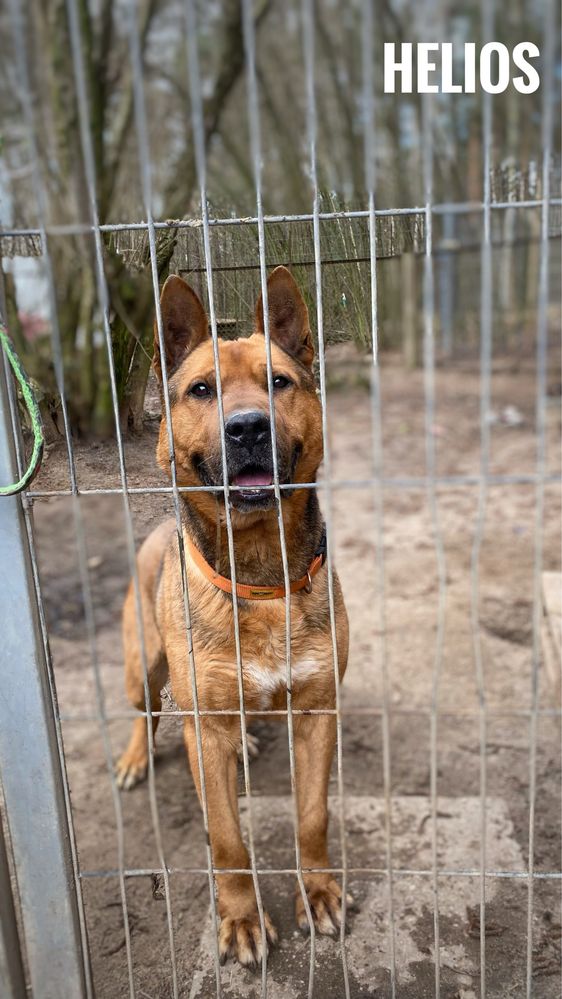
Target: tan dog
(192,390)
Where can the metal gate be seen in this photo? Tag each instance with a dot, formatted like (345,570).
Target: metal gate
(43,935)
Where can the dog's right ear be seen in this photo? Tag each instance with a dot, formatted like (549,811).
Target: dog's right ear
(184,324)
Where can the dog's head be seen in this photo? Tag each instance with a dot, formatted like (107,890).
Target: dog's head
(192,386)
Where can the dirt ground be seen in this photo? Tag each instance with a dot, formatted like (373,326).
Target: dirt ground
(411,617)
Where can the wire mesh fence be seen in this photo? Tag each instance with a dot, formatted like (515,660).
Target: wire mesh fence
(364,242)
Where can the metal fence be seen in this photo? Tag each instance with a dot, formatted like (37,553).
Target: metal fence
(51,958)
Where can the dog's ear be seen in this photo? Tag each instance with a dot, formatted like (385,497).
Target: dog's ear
(288,316)
(184,324)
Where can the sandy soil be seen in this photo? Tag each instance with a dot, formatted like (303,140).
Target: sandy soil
(411,616)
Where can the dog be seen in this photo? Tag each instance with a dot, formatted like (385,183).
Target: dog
(190,367)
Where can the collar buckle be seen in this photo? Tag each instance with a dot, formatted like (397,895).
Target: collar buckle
(308,585)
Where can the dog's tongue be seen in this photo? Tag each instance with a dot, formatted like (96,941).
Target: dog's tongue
(252,479)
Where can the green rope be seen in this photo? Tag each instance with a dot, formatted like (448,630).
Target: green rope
(32,409)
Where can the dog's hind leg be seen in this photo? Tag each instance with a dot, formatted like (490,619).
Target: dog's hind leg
(133,764)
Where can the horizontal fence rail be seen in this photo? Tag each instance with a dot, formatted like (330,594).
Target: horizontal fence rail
(445,208)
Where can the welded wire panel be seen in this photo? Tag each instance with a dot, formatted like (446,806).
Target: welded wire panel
(478,873)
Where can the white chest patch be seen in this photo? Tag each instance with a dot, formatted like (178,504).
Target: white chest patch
(269,679)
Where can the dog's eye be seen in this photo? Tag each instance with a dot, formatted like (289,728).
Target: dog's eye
(280,382)
(200,390)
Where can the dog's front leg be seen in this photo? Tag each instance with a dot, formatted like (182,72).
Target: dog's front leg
(315,738)
(240,933)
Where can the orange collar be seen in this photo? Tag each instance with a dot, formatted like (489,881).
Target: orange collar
(247,592)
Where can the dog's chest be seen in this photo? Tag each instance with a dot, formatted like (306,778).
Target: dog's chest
(262,632)
(265,681)
(264,656)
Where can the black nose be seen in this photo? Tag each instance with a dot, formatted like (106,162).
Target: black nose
(247,429)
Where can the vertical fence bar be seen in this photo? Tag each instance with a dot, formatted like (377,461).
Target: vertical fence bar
(486,304)
(31,771)
(308,10)
(540,460)
(447,284)
(429,393)
(376,417)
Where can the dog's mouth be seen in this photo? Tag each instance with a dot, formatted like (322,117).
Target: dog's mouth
(251,482)
(252,486)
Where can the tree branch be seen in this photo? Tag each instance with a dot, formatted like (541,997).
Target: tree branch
(232,65)
(124,119)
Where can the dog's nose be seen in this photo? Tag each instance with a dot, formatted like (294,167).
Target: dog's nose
(247,429)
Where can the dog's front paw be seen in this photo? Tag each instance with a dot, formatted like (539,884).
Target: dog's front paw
(325,901)
(242,939)
(131,769)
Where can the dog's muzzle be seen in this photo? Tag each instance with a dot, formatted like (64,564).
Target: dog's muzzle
(249,460)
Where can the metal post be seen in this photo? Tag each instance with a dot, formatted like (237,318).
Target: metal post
(30,764)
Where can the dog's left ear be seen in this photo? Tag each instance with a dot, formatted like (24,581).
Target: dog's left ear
(288,316)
